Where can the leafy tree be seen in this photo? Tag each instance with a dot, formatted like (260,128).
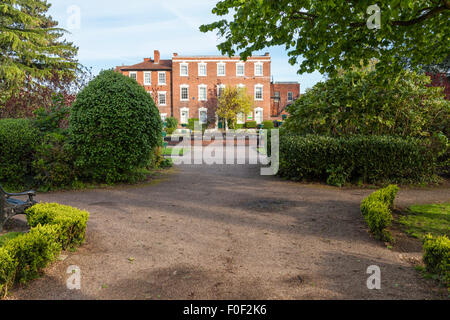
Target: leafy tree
(232,102)
(362,101)
(331,34)
(31,47)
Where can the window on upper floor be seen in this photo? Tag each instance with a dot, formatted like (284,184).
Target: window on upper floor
(202,93)
(184,93)
(133,75)
(259,69)
(259,92)
(184,69)
(220,90)
(147,78)
(290,96)
(221,69)
(240,69)
(161,78)
(202,69)
(162,98)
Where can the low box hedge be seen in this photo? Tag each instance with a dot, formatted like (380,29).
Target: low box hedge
(71,221)
(251,124)
(54,227)
(436,256)
(367,159)
(376,210)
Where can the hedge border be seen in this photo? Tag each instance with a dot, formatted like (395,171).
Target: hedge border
(377,211)
(54,227)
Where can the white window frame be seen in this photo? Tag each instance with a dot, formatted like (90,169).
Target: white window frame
(257,64)
(243,71)
(165,79)
(147,73)
(200,110)
(163,117)
(200,98)
(159,98)
(220,86)
(181,116)
(184,86)
(132,72)
(187,69)
(262,115)
(206,69)
(292,96)
(224,69)
(257,86)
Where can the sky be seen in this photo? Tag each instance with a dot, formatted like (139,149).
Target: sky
(111,33)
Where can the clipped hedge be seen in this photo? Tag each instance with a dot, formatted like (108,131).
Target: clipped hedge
(251,124)
(376,210)
(436,255)
(369,159)
(268,124)
(18,138)
(54,227)
(70,221)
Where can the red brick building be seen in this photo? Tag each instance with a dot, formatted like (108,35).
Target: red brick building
(188,86)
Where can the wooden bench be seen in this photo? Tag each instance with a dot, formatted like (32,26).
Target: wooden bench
(10,207)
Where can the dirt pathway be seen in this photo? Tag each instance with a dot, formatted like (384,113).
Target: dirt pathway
(225,232)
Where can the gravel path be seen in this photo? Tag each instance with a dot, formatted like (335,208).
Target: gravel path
(225,232)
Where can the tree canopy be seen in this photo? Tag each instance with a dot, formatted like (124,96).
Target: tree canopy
(31,46)
(232,102)
(331,34)
(357,102)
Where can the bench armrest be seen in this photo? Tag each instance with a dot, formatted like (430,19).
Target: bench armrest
(30,195)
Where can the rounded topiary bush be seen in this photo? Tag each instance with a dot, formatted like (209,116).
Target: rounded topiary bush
(114,128)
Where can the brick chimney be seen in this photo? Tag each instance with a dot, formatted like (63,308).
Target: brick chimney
(147,59)
(175,54)
(157,56)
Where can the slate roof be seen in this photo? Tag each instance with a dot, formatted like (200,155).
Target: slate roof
(149,65)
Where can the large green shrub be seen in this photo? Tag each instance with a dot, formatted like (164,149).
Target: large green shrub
(365,102)
(369,159)
(437,257)
(18,139)
(70,221)
(376,210)
(114,128)
(53,164)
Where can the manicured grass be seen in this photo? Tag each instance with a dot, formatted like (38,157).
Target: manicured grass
(168,151)
(419,220)
(9,236)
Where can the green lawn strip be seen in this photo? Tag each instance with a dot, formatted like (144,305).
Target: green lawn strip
(419,220)
(9,236)
(169,151)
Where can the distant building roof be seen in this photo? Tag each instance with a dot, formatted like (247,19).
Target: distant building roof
(149,65)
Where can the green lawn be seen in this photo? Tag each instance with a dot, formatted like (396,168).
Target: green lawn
(420,220)
(168,151)
(8,236)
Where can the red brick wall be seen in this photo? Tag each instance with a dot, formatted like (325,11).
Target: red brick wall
(283,89)
(212,80)
(156,88)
